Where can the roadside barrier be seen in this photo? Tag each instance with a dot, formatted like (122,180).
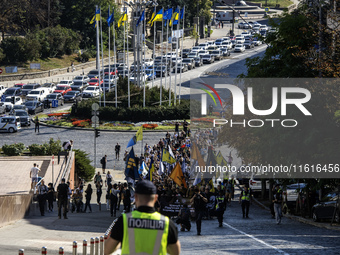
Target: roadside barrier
(96,247)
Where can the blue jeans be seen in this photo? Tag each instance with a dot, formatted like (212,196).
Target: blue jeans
(278,212)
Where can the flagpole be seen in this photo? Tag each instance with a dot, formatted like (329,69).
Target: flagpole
(160,87)
(97,39)
(109,59)
(166,52)
(124,60)
(176,57)
(114,57)
(170,83)
(180,76)
(101,36)
(144,76)
(127,49)
(167,36)
(153,51)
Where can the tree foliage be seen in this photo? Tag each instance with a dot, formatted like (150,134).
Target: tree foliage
(83,166)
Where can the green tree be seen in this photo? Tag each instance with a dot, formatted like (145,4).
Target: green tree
(83,166)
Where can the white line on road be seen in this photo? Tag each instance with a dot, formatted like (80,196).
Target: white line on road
(256,239)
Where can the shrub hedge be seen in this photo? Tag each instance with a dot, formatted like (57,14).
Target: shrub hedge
(13,149)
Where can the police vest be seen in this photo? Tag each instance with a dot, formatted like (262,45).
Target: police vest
(219,203)
(245,196)
(145,233)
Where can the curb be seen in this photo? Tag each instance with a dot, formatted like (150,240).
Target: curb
(300,219)
(102,130)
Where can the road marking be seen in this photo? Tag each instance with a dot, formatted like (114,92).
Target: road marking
(256,239)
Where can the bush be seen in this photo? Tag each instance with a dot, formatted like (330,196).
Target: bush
(37,149)
(83,167)
(13,149)
(50,148)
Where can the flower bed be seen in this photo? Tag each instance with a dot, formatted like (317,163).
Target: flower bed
(150,126)
(80,123)
(58,114)
(203,120)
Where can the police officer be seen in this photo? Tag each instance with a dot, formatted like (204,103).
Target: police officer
(278,198)
(245,199)
(221,204)
(144,231)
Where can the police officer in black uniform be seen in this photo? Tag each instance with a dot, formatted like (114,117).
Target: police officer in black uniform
(144,230)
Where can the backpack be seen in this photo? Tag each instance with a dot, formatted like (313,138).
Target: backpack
(102,160)
(64,143)
(113,195)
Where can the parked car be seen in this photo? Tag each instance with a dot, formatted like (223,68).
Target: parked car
(9,103)
(112,71)
(226,44)
(79,85)
(181,68)
(255,185)
(327,208)
(95,74)
(134,77)
(218,41)
(185,52)
(65,82)
(249,44)
(198,61)
(225,52)
(195,49)
(18,107)
(23,116)
(189,62)
(91,91)
(95,82)
(202,52)
(208,59)
(19,85)
(290,196)
(217,54)
(2,89)
(12,92)
(162,71)
(82,78)
(192,55)
(148,62)
(54,96)
(10,123)
(150,73)
(38,94)
(72,96)
(244,25)
(28,87)
(34,106)
(62,89)
(257,42)
(239,48)
(203,46)
(109,79)
(50,86)
(122,70)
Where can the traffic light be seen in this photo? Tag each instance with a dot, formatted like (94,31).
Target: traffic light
(13,100)
(97,133)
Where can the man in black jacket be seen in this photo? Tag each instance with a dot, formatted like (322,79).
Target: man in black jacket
(62,198)
(199,199)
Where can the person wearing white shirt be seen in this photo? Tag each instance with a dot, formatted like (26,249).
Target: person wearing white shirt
(34,175)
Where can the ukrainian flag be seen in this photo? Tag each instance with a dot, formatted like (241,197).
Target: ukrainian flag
(95,17)
(158,17)
(174,16)
(122,19)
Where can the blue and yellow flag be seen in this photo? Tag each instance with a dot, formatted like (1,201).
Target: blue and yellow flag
(122,19)
(166,157)
(110,18)
(151,168)
(131,166)
(158,17)
(174,17)
(139,134)
(167,14)
(95,18)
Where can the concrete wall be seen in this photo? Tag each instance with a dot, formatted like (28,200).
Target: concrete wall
(43,74)
(13,207)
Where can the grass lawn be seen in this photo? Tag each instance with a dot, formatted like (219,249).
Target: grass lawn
(273,3)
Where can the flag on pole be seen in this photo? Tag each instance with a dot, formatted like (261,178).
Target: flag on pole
(170,151)
(167,14)
(161,168)
(110,18)
(132,142)
(122,19)
(141,18)
(139,134)
(197,179)
(143,170)
(166,157)
(131,166)
(181,15)
(151,168)
(174,17)
(177,175)
(184,166)
(96,17)
(158,17)
(220,159)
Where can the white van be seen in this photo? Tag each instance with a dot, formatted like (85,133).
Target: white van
(10,123)
(38,94)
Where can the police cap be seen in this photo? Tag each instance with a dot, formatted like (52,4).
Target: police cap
(145,188)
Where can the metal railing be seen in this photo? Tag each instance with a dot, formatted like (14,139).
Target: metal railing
(65,168)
